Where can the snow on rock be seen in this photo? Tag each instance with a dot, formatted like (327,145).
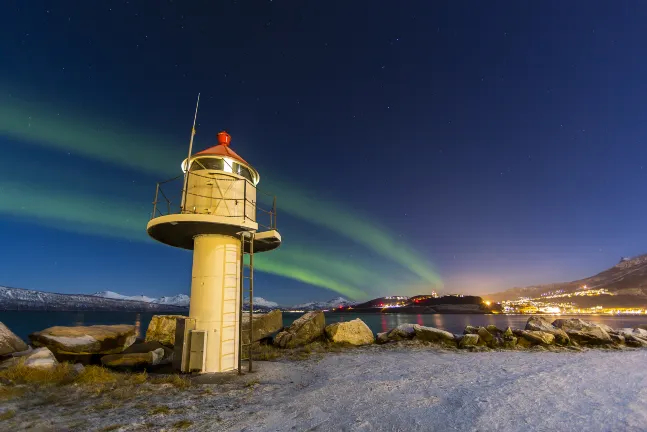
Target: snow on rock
(79,340)
(39,358)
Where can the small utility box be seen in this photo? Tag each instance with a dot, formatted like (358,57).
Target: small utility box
(198,350)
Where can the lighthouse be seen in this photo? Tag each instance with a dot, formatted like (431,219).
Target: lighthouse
(219,218)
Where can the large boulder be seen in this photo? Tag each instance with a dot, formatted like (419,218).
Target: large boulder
(485,336)
(305,329)
(83,340)
(538,337)
(9,342)
(540,323)
(635,341)
(39,358)
(469,340)
(354,332)
(265,324)
(402,332)
(162,329)
(431,334)
(134,360)
(584,332)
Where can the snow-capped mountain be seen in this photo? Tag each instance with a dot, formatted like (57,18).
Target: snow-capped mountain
(24,299)
(327,305)
(177,300)
(261,302)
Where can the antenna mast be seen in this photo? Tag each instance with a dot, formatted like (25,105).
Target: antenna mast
(195,116)
(188,159)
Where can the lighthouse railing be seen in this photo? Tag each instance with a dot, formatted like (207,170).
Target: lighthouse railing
(259,207)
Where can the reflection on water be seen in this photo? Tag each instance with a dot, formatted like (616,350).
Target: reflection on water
(79,319)
(138,325)
(456,323)
(25,322)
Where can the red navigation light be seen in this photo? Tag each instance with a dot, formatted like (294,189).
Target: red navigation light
(224,138)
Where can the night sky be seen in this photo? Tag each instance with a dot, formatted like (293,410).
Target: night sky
(461,146)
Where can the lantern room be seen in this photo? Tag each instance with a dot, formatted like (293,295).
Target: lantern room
(221,183)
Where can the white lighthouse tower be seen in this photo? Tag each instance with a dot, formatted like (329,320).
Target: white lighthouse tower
(217,219)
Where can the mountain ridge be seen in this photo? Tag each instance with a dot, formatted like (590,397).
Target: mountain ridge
(26,299)
(627,277)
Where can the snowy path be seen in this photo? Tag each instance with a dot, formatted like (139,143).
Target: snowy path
(408,390)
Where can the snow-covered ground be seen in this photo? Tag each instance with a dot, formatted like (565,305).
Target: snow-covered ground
(381,388)
(427,390)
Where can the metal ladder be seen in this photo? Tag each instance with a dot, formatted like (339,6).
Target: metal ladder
(246,288)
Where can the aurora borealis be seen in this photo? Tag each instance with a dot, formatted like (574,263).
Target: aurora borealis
(46,195)
(410,146)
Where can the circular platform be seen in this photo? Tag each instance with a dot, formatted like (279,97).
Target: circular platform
(179,230)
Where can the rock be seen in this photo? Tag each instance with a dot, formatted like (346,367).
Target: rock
(509,342)
(635,342)
(82,340)
(133,360)
(39,358)
(494,330)
(639,332)
(77,368)
(508,333)
(470,330)
(382,338)
(265,324)
(617,338)
(431,334)
(540,323)
(162,329)
(468,340)
(523,343)
(538,337)
(402,332)
(9,342)
(146,347)
(354,332)
(484,335)
(583,332)
(305,329)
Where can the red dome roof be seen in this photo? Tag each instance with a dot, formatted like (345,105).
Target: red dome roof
(222,149)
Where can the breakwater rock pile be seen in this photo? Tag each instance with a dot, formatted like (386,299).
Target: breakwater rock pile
(539,332)
(117,346)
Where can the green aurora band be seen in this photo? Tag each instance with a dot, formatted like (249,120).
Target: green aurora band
(88,215)
(89,138)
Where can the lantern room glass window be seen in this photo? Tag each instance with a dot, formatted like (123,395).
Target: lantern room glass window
(218,164)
